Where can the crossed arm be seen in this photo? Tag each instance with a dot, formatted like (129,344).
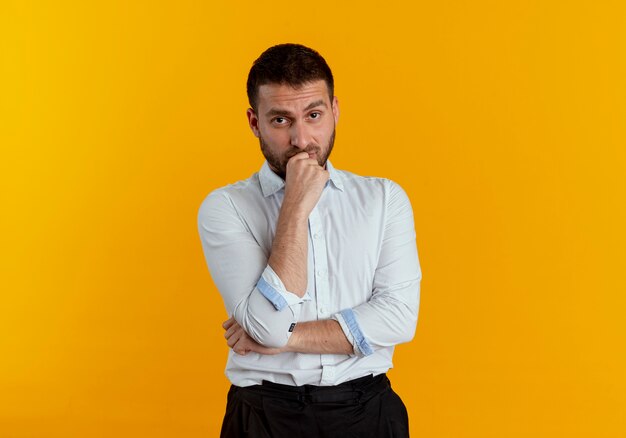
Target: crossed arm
(321,337)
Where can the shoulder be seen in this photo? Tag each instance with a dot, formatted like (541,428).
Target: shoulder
(374,185)
(228,196)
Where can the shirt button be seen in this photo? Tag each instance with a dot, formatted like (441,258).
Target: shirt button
(321,272)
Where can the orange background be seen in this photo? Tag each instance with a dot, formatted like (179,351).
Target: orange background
(504,122)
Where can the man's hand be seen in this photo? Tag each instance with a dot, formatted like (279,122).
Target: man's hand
(241,342)
(304,183)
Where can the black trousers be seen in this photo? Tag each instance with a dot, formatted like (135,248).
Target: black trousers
(364,407)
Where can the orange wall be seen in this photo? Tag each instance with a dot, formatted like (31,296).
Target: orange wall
(504,122)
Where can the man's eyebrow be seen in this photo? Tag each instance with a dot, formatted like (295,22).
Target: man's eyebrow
(277,112)
(282,112)
(316,103)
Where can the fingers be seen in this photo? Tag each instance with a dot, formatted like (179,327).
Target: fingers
(229,322)
(304,158)
(234,333)
(242,347)
(234,336)
(300,156)
(304,168)
(239,340)
(241,352)
(231,330)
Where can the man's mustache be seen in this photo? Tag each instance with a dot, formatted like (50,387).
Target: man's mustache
(308,149)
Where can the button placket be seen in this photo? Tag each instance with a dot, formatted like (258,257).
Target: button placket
(320,263)
(322,288)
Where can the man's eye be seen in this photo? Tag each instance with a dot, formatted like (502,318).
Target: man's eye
(279,120)
(315,115)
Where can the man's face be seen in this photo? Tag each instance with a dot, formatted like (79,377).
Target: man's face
(292,120)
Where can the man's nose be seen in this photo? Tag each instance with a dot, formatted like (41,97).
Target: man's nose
(300,135)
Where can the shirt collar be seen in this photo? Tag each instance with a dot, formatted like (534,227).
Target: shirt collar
(271,183)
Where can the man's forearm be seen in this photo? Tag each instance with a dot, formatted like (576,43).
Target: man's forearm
(290,248)
(319,337)
(311,337)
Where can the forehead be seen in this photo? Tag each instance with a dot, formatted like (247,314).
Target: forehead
(286,96)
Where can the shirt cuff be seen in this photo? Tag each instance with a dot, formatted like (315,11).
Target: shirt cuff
(271,287)
(347,320)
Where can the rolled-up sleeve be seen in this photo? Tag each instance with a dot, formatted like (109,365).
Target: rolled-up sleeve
(389,317)
(252,292)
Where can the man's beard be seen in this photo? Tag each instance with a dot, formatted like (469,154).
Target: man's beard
(278,163)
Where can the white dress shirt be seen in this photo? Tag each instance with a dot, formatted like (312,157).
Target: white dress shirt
(363,271)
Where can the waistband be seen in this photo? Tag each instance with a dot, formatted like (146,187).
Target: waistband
(346,391)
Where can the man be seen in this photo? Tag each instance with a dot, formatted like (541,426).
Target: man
(318,269)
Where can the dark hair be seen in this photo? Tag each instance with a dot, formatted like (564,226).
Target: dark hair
(290,64)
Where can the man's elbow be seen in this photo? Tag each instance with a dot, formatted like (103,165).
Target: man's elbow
(265,325)
(270,332)
(271,340)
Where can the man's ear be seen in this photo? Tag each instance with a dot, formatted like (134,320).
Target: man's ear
(335,109)
(253,121)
